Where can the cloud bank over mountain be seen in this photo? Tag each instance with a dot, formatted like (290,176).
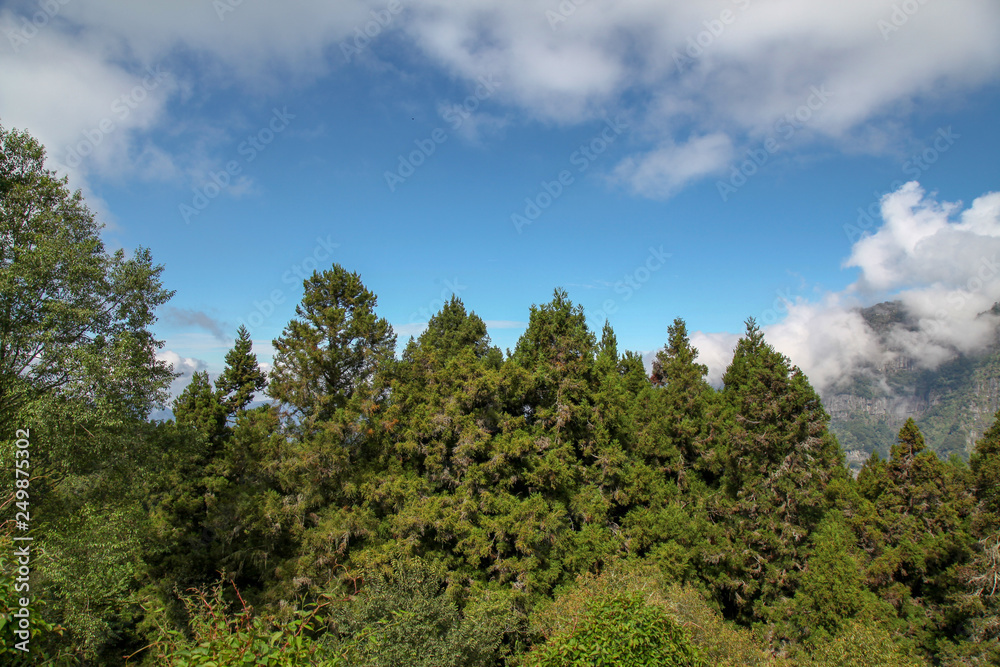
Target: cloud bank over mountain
(942,262)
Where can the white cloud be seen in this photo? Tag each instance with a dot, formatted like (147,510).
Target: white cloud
(743,65)
(186,366)
(919,245)
(667,169)
(754,62)
(715,350)
(404,331)
(942,263)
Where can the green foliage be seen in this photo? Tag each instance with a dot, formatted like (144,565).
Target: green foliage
(73,319)
(913,518)
(860,643)
(618,630)
(779,460)
(720,642)
(242,376)
(985,464)
(831,592)
(675,418)
(199,407)
(333,348)
(87,563)
(461,489)
(44,643)
(217,637)
(407,617)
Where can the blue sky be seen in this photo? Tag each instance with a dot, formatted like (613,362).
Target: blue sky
(705,160)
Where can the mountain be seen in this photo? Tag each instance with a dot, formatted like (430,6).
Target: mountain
(953,403)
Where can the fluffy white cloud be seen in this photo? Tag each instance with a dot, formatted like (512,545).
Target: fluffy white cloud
(919,245)
(666,169)
(939,261)
(714,69)
(186,366)
(700,79)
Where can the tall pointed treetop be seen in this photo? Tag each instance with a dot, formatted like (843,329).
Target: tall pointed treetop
(557,335)
(452,329)
(334,345)
(242,377)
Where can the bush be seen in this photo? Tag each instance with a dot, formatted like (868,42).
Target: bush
(408,618)
(620,630)
(861,644)
(723,644)
(218,639)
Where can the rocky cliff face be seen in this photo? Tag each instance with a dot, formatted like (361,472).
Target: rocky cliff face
(899,408)
(953,404)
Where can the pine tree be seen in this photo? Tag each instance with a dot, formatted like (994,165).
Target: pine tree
(334,346)
(985,464)
(242,377)
(679,429)
(199,407)
(832,589)
(779,458)
(913,519)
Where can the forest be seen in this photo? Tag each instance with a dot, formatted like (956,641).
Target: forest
(456,505)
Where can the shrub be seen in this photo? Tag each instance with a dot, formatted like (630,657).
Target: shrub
(620,630)
(219,639)
(861,644)
(408,618)
(723,644)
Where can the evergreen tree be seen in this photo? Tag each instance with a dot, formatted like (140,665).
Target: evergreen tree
(779,459)
(199,407)
(913,520)
(985,464)
(242,377)
(557,350)
(832,591)
(679,431)
(333,348)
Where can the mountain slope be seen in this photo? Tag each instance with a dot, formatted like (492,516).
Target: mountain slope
(953,403)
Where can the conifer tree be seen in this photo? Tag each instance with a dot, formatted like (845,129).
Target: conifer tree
(332,348)
(242,377)
(199,406)
(985,464)
(913,520)
(832,591)
(779,459)
(679,431)
(557,349)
